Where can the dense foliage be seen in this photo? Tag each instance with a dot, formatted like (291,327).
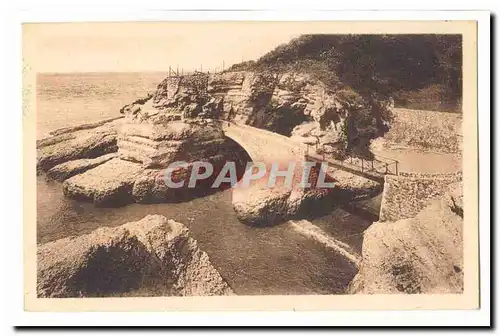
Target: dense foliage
(396,65)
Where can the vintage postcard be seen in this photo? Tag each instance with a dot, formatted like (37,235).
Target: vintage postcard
(250,165)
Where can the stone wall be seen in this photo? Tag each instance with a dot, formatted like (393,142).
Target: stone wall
(426,130)
(407,194)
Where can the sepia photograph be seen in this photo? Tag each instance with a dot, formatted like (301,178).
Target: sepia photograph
(250,159)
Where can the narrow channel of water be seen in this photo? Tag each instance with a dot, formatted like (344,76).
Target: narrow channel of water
(273,260)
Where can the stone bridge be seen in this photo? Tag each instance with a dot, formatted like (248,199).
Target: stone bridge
(269,147)
(265,146)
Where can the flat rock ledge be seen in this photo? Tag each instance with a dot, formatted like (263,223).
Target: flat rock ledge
(109,184)
(150,257)
(423,254)
(71,168)
(87,141)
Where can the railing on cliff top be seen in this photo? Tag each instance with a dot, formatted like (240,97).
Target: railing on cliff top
(176,72)
(378,165)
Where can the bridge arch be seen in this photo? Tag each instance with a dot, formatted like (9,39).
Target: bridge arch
(264,146)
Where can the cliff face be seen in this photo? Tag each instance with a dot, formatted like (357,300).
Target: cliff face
(153,256)
(158,145)
(291,103)
(420,254)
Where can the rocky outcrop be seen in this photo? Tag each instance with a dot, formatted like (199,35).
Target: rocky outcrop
(86,146)
(261,205)
(150,257)
(291,103)
(158,145)
(286,103)
(423,254)
(82,142)
(136,172)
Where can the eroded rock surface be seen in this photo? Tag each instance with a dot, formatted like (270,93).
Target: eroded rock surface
(71,168)
(261,205)
(158,145)
(85,146)
(150,257)
(292,103)
(109,184)
(423,254)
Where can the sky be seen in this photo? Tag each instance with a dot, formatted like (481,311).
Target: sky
(89,47)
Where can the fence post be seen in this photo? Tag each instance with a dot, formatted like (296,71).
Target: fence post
(386,169)
(397,168)
(372,164)
(362,165)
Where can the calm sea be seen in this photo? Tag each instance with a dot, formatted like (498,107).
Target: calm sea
(275,260)
(75,98)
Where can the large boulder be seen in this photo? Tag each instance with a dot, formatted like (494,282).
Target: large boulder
(135,173)
(423,254)
(150,257)
(261,205)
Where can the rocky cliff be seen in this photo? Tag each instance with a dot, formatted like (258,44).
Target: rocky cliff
(150,257)
(289,103)
(418,254)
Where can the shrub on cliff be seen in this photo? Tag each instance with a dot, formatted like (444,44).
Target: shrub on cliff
(365,119)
